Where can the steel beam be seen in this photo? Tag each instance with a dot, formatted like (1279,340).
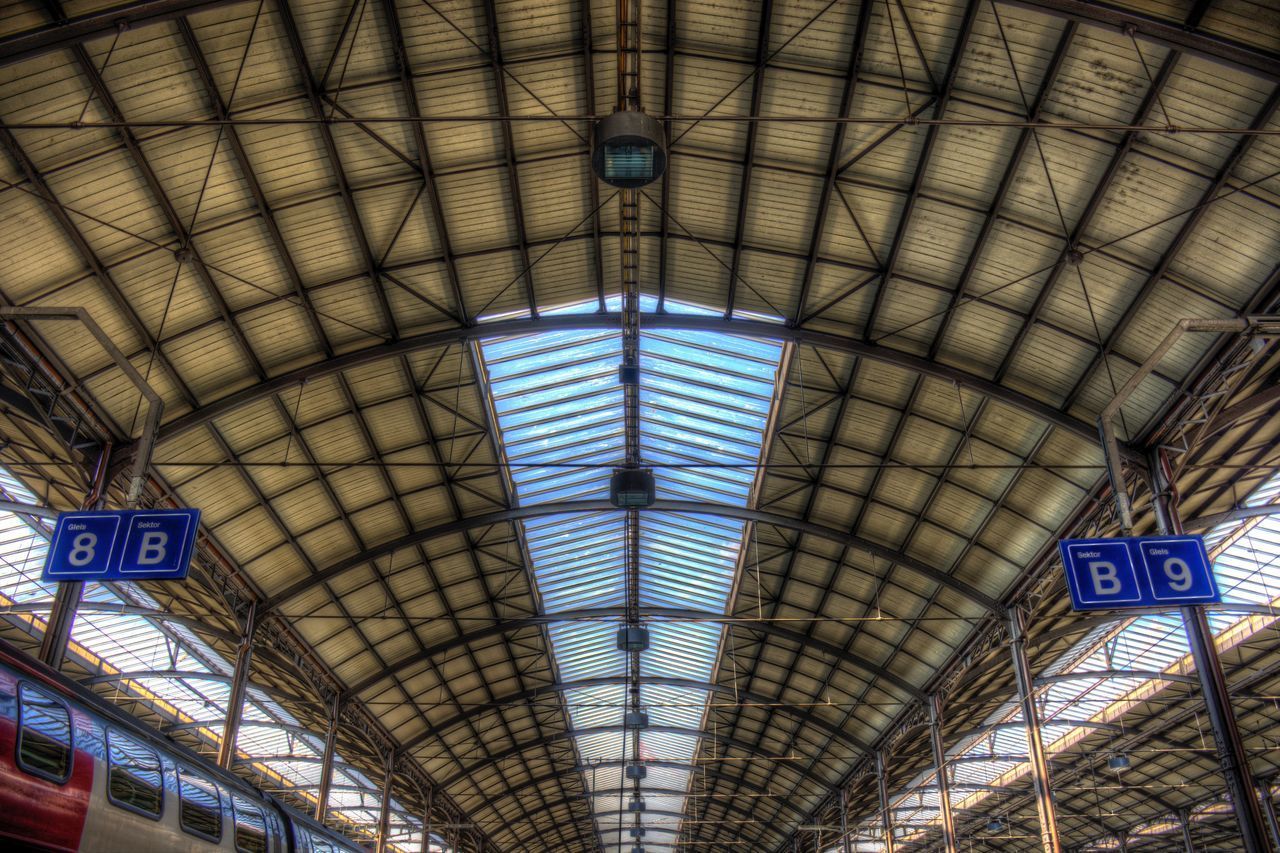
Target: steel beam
(1213,687)
(1037,758)
(427,817)
(754,516)
(499,628)
(525,696)
(940,769)
(1184,822)
(749,156)
(886,814)
(384,810)
(571,734)
(67,32)
(202,415)
(326,761)
(1172,33)
(239,688)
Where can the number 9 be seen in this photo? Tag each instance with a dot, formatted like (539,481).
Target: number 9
(1179,574)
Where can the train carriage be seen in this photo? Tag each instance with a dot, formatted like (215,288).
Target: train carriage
(77,773)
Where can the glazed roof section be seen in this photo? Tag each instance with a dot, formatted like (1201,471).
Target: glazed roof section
(1246,561)
(705,401)
(161,665)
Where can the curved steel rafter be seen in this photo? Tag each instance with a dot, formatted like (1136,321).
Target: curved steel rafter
(651,613)
(524,696)
(754,516)
(752,328)
(196,675)
(717,775)
(570,734)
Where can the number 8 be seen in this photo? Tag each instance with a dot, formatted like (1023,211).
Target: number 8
(1179,574)
(82,549)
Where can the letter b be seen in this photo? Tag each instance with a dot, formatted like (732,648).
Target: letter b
(153,548)
(1105,580)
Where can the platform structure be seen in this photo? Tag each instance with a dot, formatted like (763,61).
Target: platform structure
(651,426)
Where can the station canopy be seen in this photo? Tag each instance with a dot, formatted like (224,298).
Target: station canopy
(902,256)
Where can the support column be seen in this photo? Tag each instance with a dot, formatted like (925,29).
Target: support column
(1184,820)
(384,813)
(844,821)
(1269,812)
(62,616)
(426,821)
(886,816)
(326,761)
(1213,686)
(1049,840)
(239,687)
(940,766)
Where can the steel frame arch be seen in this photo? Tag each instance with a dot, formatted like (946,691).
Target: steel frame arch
(692,684)
(754,328)
(666,614)
(857,543)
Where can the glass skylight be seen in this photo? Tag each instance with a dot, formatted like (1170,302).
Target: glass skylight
(1246,560)
(705,399)
(108,645)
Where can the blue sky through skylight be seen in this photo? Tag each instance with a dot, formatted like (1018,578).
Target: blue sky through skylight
(705,397)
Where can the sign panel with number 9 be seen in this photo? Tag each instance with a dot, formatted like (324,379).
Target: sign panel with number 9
(1178,569)
(1146,571)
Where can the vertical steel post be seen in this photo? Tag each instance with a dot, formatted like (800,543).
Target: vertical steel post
(1269,812)
(882,792)
(62,616)
(886,816)
(1049,840)
(384,812)
(426,821)
(1213,685)
(326,761)
(844,821)
(940,766)
(239,687)
(1184,820)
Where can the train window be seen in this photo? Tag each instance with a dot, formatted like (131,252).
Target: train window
(134,779)
(44,735)
(251,827)
(200,807)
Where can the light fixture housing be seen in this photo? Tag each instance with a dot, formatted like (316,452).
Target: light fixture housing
(632,488)
(1119,761)
(637,771)
(637,832)
(995,825)
(635,720)
(633,638)
(628,149)
(636,805)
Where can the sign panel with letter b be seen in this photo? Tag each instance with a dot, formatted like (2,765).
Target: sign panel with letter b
(1149,571)
(111,545)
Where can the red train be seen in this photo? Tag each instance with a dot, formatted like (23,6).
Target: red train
(77,773)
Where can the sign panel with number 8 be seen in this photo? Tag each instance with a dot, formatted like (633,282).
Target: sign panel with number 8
(107,545)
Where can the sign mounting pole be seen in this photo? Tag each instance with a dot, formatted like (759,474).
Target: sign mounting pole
(57,631)
(1213,684)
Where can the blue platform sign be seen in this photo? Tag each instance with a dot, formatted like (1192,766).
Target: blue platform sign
(130,544)
(1146,571)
